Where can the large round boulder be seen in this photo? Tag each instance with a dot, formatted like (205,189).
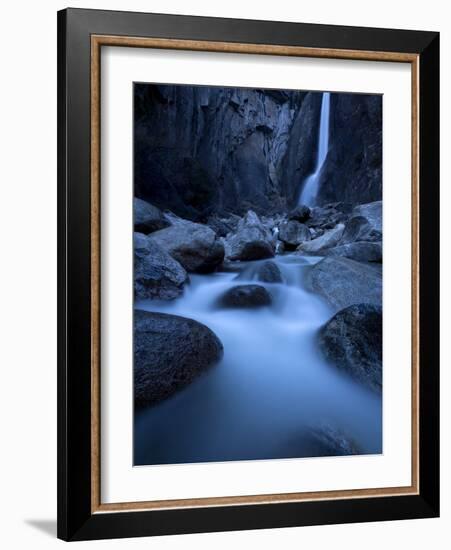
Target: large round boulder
(195,246)
(147,217)
(352,340)
(245,296)
(156,274)
(343,282)
(269,272)
(169,353)
(292,234)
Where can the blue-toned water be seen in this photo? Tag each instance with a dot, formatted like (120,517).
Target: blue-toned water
(311,185)
(271,385)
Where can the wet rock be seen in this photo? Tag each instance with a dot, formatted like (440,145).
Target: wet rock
(327,441)
(300,214)
(320,441)
(358,251)
(245,296)
(156,274)
(169,352)
(372,211)
(293,233)
(266,272)
(147,218)
(269,272)
(365,224)
(141,245)
(223,226)
(327,240)
(280,247)
(201,150)
(251,241)
(352,341)
(343,282)
(326,217)
(193,245)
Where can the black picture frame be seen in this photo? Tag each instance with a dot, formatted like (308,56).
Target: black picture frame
(76,520)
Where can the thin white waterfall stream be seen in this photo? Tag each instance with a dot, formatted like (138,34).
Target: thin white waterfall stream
(310,190)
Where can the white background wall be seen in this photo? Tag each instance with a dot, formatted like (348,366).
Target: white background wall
(28,271)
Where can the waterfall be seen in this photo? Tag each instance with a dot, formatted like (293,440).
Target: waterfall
(310,189)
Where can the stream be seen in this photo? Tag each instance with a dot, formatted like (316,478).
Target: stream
(271,386)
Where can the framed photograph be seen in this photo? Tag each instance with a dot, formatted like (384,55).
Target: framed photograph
(248,274)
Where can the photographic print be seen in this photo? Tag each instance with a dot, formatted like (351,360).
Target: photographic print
(257,274)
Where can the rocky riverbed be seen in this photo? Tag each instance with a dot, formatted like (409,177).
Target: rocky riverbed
(258,336)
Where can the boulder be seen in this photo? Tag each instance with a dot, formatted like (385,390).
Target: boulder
(141,245)
(365,224)
(147,218)
(326,217)
(169,352)
(266,272)
(372,211)
(352,340)
(327,240)
(359,251)
(223,226)
(251,241)
(245,296)
(300,214)
(156,274)
(343,282)
(269,272)
(193,245)
(358,229)
(293,233)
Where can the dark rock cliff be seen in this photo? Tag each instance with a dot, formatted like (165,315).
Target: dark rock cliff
(352,171)
(203,150)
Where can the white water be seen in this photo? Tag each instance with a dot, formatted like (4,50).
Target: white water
(270,386)
(311,185)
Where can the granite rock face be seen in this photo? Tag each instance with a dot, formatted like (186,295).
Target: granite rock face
(352,171)
(203,150)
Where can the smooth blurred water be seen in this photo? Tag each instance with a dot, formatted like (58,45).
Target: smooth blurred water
(271,385)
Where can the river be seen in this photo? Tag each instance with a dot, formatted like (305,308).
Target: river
(271,386)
